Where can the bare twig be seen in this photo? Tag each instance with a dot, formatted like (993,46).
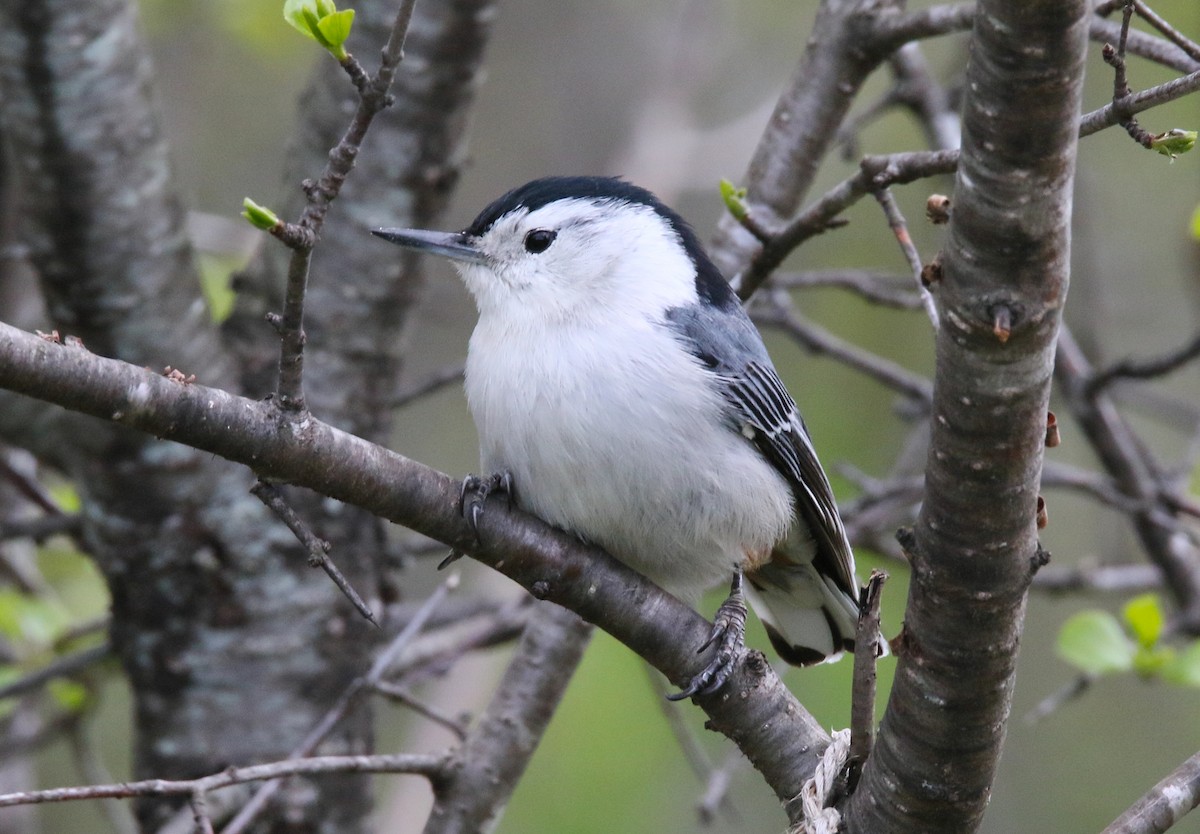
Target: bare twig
(394,692)
(494,757)
(373,98)
(900,229)
(1169,32)
(1123,579)
(1055,701)
(884,290)
(777,312)
(63,667)
(318,548)
(41,528)
(1165,804)
(875,172)
(429,765)
(1143,368)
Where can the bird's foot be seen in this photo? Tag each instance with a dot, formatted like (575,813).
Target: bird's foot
(476,489)
(471,498)
(728,635)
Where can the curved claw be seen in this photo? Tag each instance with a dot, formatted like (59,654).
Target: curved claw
(728,635)
(475,490)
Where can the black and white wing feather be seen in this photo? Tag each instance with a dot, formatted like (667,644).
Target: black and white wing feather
(761,408)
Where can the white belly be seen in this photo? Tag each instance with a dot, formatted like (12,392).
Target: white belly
(625,452)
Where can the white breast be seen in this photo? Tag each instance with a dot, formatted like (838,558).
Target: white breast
(624,445)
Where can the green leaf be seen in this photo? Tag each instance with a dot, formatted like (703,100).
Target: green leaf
(336,28)
(1173,142)
(260,217)
(734,199)
(1184,668)
(1095,642)
(293,13)
(1144,616)
(321,21)
(1196,235)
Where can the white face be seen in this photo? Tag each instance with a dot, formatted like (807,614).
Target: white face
(574,258)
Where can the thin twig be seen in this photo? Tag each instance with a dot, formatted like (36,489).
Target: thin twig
(875,172)
(900,229)
(883,290)
(348,698)
(1169,32)
(778,313)
(1143,368)
(373,98)
(1122,579)
(63,667)
(400,695)
(318,548)
(1056,700)
(429,765)
(41,528)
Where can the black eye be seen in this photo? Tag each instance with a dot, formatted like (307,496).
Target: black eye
(539,240)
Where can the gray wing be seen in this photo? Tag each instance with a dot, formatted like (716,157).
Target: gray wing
(726,341)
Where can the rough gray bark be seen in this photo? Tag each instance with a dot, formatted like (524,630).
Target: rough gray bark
(975,545)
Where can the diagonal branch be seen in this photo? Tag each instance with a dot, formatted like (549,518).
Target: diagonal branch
(775,732)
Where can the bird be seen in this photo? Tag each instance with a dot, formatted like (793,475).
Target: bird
(621,392)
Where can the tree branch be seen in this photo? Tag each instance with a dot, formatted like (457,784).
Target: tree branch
(774,731)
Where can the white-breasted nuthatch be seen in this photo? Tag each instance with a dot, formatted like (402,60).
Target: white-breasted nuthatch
(625,395)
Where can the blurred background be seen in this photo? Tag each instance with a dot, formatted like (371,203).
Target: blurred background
(673,95)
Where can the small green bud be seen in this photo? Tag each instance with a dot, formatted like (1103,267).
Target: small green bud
(734,199)
(1173,142)
(260,217)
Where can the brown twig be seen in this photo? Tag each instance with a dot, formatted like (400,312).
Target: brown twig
(318,548)
(1169,32)
(875,172)
(373,98)
(862,704)
(899,228)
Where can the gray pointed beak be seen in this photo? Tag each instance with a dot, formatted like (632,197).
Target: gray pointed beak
(454,245)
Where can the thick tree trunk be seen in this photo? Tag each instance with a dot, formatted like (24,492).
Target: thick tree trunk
(975,546)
